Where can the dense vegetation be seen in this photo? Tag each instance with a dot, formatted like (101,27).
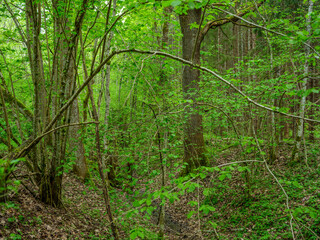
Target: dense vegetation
(130,119)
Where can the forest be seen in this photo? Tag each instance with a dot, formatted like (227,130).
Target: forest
(159,119)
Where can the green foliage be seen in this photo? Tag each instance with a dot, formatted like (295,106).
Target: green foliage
(264,214)
(6,183)
(146,99)
(14,236)
(141,233)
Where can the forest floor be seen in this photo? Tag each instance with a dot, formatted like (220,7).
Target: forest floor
(239,212)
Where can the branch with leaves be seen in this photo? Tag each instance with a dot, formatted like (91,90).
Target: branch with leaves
(233,18)
(27,149)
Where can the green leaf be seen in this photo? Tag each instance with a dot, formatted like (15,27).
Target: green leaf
(206,192)
(207,208)
(133,235)
(143,209)
(175,3)
(191,5)
(191,188)
(202,175)
(193,203)
(214,225)
(222,177)
(313,215)
(15,161)
(166,3)
(141,234)
(190,214)
(150,210)
(296,184)
(136,204)
(173,197)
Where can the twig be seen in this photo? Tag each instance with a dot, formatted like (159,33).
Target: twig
(25,186)
(64,126)
(303,225)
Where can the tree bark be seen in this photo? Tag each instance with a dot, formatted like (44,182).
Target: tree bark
(194,147)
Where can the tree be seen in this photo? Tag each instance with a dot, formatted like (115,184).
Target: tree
(68,48)
(194,149)
(307,51)
(193,34)
(48,156)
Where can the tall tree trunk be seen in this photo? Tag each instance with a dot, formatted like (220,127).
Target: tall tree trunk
(108,160)
(40,157)
(63,80)
(194,147)
(273,151)
(80,166)
(163,81)
(300,131)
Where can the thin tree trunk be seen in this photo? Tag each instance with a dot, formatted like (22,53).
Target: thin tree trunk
(107,159)
(86,99)
(99,155)
(63,78)
(273,149)
(300,131)
(40,158)
(80,166)
(163,81)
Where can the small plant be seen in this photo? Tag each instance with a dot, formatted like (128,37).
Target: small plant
(6,167)
(14,236)
(142,233)
(11,219)
(9,205)
(38,220)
